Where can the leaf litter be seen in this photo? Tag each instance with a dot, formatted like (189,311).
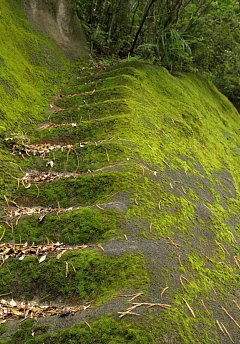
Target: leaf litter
(12,310)
(20,251)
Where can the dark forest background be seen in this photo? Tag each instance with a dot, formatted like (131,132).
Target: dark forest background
(189,35)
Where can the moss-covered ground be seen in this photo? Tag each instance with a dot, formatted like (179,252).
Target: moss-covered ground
(157,160)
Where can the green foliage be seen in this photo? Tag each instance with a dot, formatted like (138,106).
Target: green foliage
(181,35)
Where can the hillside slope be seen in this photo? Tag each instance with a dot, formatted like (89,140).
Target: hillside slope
(142,168)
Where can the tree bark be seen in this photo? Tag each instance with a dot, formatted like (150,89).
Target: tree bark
(148,7)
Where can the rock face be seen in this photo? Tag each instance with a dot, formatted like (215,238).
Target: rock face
(56,19)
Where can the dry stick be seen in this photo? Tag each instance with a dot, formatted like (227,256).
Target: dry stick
(190,309)
(226,331)
(150,227)
(73,267)
(166,163)
(236,259)
(220,327)
(181,281)
(222,247)
(236,304)
(68,153)
(231,317)
(87,324)
(159,205)
(214,290)
(205,307)
(173,243)
(37,190)
(232,236)
(108,159)
(180,261)
(135,296)
(136,305)
(99,207)
(66,275)
(163,291)
(6,200)
(223,263)
(78,162)
(184,190)
(4,230)
(18,218)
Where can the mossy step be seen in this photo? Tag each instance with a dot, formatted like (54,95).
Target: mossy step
(81,226)
(85,191)
(93,111)
(99,84)
(104,330)
(82,159)
(106,129)
(80,276)
(118,70)
(113,92)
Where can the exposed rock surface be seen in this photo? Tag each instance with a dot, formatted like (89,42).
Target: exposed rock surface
(56,19)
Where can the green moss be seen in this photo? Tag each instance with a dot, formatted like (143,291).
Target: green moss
(28,68)
(91,276)
(30,72)
(85,191)
(78,227)
(104,330)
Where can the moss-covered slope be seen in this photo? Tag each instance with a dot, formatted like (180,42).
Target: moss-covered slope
(30,71)
(147,163)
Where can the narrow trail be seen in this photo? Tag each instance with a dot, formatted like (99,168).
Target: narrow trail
(57,315)
(53,185)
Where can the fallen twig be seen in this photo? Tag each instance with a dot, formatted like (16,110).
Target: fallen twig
(238,306)
(173,243)
(237,261)
(189,307)
(129,311)
(227,333)
(220,327)
(163,291)
(231,317)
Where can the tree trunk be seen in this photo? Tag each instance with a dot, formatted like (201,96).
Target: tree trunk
(148,7)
